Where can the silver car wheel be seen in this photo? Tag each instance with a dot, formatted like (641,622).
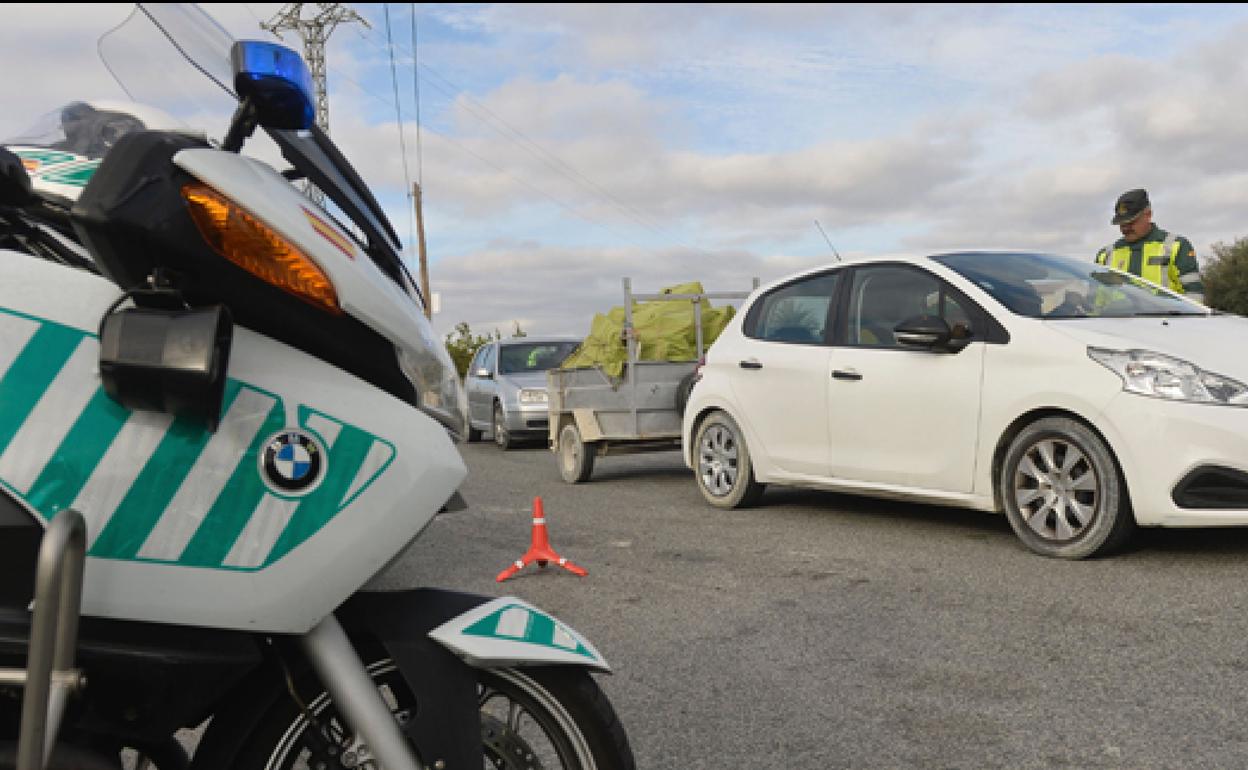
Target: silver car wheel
(718,460)
(1056,489)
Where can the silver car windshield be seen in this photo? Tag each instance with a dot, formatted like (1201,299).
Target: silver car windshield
(533,357)
(1048,286)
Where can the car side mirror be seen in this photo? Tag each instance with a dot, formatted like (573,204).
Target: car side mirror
(483,372)
(932,333)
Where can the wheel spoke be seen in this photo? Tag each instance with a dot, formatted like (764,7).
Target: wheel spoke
(1063,529)
(1039,521)
(1045,450)
(1072,458)
(1026,497)
(1081,513)
(1028,468)
(1085,483)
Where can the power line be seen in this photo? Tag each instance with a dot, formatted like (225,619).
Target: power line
(407,177)
(420,168)
(491,163)
(537,151)
(462,148)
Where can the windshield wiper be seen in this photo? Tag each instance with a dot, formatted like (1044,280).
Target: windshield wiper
(1167,313)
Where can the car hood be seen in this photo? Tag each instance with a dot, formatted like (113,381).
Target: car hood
(1215,343)
(526,379)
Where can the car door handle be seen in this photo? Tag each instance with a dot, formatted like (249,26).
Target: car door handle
(750,363)
(842,374)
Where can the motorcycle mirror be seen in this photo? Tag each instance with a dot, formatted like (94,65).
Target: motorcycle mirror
(276,81)
(15,186)
(170,361)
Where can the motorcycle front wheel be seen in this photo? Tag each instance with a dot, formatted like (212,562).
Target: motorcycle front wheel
(550,718)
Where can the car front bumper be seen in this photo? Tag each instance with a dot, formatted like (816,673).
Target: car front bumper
(1197,453)
(527,418)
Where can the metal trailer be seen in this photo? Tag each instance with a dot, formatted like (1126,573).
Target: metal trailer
(594,415)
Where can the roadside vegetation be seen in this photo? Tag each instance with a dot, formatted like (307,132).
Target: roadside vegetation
(463,344)
(1225,276)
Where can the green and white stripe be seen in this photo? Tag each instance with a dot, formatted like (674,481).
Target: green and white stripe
(155,488)
(521,623)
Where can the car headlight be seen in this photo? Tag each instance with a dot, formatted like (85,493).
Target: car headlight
(1160,376)
(532,396)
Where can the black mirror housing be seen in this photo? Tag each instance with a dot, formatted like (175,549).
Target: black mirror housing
(925,331)
(171,361)
(15,187)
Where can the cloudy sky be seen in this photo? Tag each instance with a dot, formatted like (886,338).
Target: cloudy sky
(563,147)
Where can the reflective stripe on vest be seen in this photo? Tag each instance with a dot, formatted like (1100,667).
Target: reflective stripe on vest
(1155,260)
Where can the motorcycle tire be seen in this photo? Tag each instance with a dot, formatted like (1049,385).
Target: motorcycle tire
(571,724)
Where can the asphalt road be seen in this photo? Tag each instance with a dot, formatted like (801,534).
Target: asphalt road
(825,631)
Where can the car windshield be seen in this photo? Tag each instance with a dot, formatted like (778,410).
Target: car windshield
(533,356)
(1048,286)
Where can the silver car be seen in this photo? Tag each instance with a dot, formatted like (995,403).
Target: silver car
(506,386)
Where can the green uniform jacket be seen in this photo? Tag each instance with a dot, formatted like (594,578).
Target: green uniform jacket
(1177,270)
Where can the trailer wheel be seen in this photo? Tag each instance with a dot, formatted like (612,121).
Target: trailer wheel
(576,458)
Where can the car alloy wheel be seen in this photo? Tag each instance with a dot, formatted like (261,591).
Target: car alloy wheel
(1056,489)
(718,460)
(1062,491)
(501,435)
(724,471)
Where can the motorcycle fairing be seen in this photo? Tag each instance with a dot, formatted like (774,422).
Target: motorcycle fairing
(363,290)
(55,171)
(184,526)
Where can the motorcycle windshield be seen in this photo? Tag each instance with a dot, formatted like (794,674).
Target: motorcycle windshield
(176,57)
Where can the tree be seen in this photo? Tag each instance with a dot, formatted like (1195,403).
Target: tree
(462,344)
(1225,277)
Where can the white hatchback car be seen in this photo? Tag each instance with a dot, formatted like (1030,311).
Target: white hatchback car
(1079,400)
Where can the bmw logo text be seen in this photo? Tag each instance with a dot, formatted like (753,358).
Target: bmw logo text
(292,461)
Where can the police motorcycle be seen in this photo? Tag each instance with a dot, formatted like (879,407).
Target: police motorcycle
(234,393)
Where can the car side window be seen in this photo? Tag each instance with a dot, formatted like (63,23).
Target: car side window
(478,361)
(487,358)
(796,313)
(882,297)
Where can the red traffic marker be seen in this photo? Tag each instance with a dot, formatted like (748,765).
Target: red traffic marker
(540,550)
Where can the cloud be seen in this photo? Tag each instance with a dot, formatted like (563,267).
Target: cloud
(571,145)
(558,291)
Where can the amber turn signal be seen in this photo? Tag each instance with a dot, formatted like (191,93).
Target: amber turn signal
(252,245)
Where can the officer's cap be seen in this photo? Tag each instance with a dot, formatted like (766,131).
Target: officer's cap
(1129,206)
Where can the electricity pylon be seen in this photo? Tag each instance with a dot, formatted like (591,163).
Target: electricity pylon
(314,32)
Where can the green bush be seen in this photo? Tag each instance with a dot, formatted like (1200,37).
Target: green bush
(462,344)
(1225,277)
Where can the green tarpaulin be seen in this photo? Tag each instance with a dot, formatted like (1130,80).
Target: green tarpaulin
(665,332)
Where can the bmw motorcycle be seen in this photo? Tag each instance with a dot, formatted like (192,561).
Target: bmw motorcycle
(233,388)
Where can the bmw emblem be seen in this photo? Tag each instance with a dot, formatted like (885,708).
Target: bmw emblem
(292,461)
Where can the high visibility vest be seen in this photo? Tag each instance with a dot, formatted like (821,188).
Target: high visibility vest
(1157,261)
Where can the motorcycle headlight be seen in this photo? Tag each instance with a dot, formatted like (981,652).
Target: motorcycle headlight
(437,383)
(1161,376)
(532,396)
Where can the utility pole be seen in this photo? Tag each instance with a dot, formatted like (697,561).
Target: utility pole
(424,260)
(314,32)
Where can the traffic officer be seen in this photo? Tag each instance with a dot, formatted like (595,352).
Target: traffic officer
(1146,250)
